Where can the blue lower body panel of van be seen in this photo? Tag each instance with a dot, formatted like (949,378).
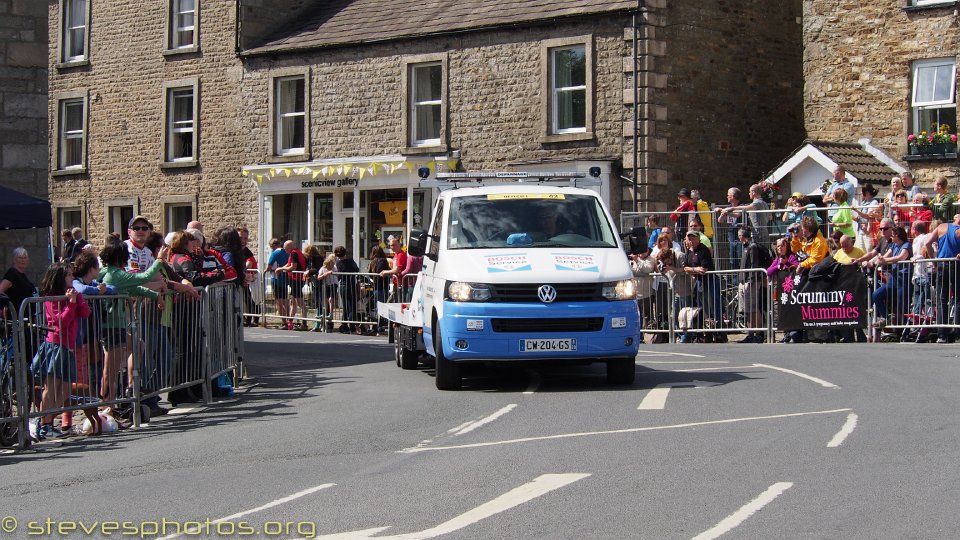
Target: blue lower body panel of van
(576,330)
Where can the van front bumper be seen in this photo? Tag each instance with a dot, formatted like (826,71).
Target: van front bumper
(478,331)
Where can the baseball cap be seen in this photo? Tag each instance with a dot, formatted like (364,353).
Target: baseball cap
(684,192)
(796,194)
(693,233)
(139,218)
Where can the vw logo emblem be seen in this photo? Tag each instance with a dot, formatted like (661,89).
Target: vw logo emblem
(547,293)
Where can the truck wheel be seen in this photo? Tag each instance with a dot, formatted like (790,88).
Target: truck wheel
(406,358)
(621,371)
(448,372)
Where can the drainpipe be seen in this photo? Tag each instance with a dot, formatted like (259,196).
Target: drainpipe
(636,108)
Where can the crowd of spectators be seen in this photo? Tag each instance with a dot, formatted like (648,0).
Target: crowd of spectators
(851,226)
(94,349)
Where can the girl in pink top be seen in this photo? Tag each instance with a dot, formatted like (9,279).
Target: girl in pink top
(55,362)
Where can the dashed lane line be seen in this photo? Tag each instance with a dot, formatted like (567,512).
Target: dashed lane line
(733,520)
(844,432)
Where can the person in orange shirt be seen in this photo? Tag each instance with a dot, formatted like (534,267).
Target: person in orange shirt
(810,247)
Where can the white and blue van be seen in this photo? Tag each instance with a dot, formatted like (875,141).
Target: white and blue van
(519,271)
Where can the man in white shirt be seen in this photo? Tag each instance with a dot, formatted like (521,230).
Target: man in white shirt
(141,258)
(839,181)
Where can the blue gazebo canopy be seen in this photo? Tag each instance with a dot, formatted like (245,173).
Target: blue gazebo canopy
(21,211)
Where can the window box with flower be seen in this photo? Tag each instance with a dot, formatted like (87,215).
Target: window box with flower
(939,143)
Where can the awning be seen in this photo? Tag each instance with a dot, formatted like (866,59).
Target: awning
(21,211)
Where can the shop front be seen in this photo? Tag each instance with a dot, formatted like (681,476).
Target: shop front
(353,203)
(358,203)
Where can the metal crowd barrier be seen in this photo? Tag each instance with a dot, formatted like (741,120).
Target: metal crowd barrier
(340,302)
(708,307)
(126,351)
(915,300)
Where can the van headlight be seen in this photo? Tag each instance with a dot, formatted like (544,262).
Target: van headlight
(625,289)
(460,291)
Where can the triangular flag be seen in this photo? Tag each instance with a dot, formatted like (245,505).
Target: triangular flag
(244,173)
(316,173)
(286,172)
(259,178)
(361,171)
(325,170)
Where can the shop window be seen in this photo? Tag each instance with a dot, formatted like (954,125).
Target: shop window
(323,221)
(69,218)
(289,217)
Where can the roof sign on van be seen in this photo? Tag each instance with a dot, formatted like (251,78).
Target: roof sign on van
(516,196)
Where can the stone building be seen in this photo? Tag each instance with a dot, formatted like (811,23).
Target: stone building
(23,119)
(884,70)
(309,119)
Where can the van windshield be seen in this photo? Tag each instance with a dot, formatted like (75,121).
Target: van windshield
(528,219)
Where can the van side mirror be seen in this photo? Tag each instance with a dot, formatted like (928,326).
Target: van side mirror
(417,244)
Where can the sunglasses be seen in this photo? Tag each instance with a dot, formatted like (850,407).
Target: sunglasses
(884,228)
(141,228)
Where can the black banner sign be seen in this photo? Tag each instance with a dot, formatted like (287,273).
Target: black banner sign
(832,303)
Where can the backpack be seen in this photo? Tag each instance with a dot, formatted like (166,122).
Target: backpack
(299,263)
(764,256)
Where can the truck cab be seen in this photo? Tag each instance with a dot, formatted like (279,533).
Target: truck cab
(524,271)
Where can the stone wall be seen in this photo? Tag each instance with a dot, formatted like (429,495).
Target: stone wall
(857,66)
(723,106)
(720,106)
(124,81)
(494,96)
(23,118)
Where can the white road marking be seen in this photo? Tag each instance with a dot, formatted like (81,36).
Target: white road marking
(844,432)
(821,382)
(470,426)
(656,398)
(616,431)
(193,532)
(534,383)
(539,486)
(711,368)
(747,510)
(686,361)
(665,353)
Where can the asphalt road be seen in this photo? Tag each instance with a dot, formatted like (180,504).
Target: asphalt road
(331,438)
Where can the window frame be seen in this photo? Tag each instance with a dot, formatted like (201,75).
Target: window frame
(57,166)
(277,153)
(408,120)
(63,56)
(169,90)
(918,108)
(415,105)
(169,202)
(115,206)
(549,131)
(172,46)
